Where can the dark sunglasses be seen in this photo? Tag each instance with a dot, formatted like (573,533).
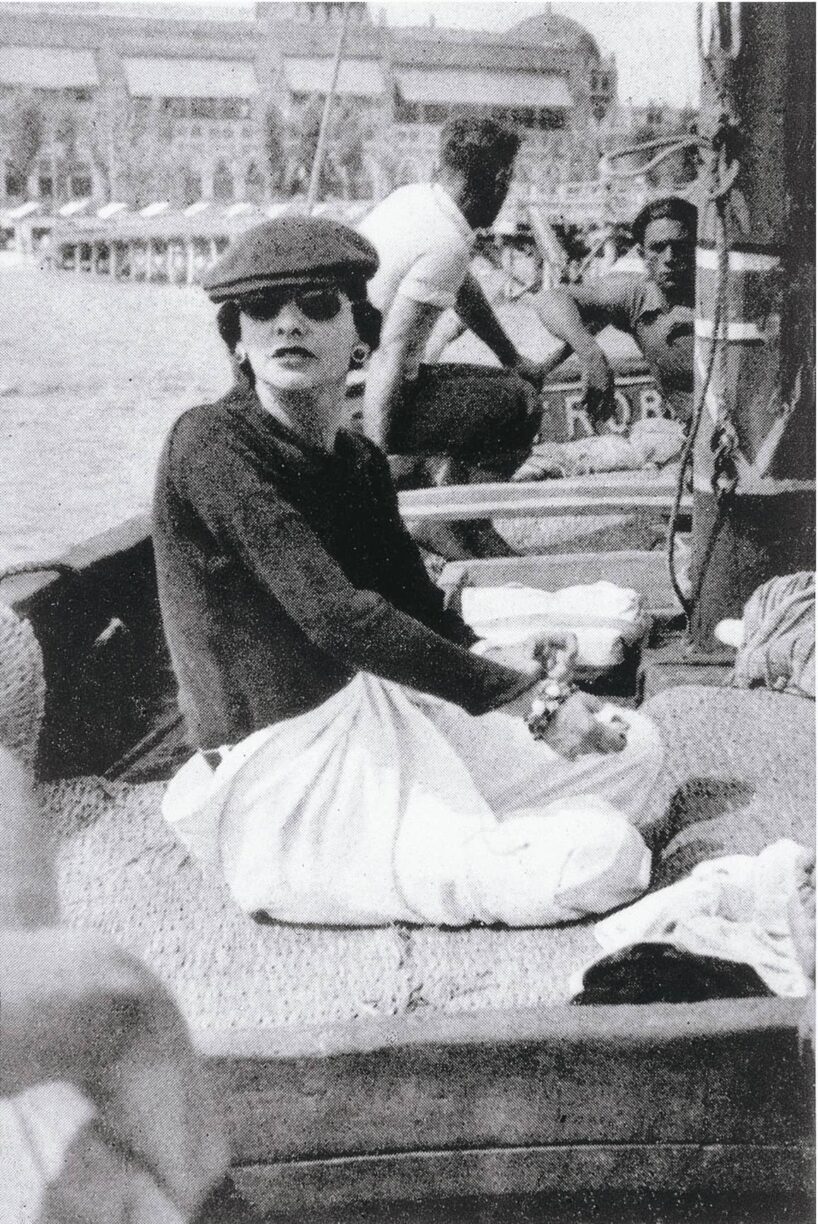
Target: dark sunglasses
(320,304)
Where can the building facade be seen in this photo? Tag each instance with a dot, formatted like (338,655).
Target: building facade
(141,103)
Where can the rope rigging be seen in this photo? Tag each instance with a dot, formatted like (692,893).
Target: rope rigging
(724,165)
(724,441)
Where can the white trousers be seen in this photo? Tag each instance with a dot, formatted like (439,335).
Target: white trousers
(384,806)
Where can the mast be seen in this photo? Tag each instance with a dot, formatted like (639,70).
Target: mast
(754,455)
(323,131)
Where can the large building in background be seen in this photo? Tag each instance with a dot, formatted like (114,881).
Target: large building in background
(136,103)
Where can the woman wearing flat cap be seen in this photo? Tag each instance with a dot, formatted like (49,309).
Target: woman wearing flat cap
(357,760)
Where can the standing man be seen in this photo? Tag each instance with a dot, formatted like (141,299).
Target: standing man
(478,416)
(656,310)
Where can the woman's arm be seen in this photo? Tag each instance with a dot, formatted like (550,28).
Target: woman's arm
(358,627)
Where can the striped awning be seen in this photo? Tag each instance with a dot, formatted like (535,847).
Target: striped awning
(359,78)
(483,87)
(190,78)
(48,68)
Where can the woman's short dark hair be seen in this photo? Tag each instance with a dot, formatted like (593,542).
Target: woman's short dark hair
(227,321)
(229,328)
(366,317)
(672,208)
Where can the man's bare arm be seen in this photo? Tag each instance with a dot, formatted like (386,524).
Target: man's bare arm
(560,313)
(476,312)
(404,331)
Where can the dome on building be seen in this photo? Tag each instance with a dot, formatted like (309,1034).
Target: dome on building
(552,30)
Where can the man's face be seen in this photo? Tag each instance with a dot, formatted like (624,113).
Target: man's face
(485,196)
(668,251)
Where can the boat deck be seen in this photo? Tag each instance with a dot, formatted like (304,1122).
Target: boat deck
(365,1069)
(403,1064)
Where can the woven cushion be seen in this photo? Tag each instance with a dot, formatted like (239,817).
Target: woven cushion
(22,688)
(739,772)
(122,872)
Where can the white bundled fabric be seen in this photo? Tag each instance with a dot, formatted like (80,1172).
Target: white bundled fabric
(737,908)
(604,617)
(652,443)
(379,807)
(777,645)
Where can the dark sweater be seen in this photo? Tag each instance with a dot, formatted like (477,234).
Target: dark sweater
(284,570)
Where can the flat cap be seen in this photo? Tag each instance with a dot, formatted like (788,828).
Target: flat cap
(290,248)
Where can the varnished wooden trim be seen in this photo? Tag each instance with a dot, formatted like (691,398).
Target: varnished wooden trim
(611,493)
(715,1170)
(623,1023)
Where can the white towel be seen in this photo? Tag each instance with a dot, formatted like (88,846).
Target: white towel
(603,617)
(736,908)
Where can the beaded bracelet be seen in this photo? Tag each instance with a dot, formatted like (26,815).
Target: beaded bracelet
(549,696)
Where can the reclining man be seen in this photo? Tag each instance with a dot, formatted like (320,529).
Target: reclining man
(657,311)
(478,416)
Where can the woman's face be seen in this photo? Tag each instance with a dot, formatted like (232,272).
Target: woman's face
(290,342)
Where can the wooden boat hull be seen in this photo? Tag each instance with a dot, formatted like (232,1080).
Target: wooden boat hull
(603,1102)
(657,1103)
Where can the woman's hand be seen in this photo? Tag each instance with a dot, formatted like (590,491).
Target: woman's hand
(552,654)
(548,654)
(577,729)
(557,653)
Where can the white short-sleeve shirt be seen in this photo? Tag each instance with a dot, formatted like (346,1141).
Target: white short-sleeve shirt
(424,246)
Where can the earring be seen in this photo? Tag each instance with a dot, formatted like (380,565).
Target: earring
(359,354)
(239,354)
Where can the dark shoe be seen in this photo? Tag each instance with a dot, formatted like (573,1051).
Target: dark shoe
(481,538)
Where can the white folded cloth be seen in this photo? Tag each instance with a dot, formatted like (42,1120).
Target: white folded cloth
(736,907)
(652,443)
(604,617)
